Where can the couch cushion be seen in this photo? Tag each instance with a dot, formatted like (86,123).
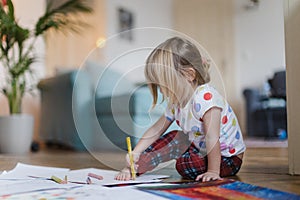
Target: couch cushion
(117,105)
(143,101)
(106,81)
(139,102)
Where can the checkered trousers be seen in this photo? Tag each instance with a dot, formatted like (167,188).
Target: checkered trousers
(189,163)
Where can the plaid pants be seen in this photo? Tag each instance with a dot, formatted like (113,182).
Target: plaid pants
(189,163)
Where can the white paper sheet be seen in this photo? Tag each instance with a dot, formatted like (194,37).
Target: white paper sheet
(108,177)
(19,180)
(25,186)
(24,171)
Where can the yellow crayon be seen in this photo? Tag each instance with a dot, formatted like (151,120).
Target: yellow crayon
(58,180)
(130,158)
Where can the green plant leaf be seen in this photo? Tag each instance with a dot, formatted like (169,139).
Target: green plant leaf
(21,36)
(11,10)
(58,17)
(21,67)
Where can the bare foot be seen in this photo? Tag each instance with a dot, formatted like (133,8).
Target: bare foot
(123,175)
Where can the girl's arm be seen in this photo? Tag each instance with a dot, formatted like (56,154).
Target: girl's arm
(211,121)
(152,134)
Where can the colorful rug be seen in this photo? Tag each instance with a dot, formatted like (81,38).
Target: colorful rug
(218,190)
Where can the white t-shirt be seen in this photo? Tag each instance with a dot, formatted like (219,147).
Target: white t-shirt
(190,120)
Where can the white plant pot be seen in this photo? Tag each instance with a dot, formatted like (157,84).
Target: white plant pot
(16,133)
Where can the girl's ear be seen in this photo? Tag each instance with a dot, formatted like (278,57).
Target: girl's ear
(189,74)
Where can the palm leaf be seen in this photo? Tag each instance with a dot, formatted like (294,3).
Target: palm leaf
(58,18)
(11,10)
(71,6)
(21,67)
(10,31)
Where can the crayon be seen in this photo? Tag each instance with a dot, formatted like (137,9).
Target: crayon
(131,158)
(88,180)
(95,176)
(58,180)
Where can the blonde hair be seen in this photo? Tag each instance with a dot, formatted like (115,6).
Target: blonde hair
(165,68)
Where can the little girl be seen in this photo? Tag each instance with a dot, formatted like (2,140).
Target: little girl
(210,144)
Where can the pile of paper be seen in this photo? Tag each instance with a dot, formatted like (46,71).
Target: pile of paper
(34,182)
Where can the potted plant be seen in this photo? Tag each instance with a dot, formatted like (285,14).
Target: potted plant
(17,56)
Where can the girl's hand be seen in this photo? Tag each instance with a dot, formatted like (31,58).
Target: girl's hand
(136,157)
(125,174)
(208,176)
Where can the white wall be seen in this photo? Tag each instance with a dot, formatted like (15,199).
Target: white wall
(71,51)
(210,24)
(129,56)
(66,51)
(27,12)
(259,40)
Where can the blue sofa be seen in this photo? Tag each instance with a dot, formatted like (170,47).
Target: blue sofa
(95,109)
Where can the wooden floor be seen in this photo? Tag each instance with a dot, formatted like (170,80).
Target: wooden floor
(267,167)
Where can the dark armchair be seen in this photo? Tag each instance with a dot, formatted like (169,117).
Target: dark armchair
(266,115)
